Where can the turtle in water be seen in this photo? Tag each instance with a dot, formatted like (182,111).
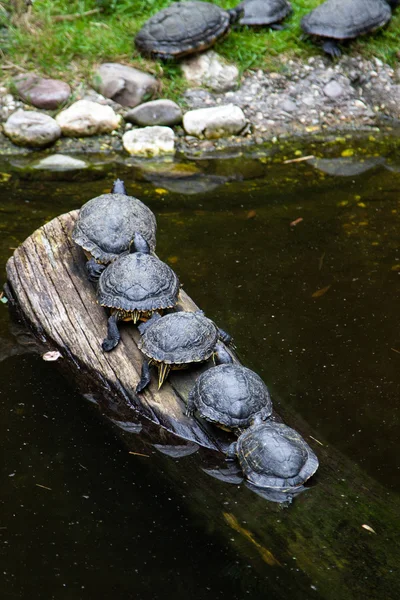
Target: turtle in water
(264,12)
(184,28)
(336,20)
(106,225)
(230,396)
(176,340)
(134,286)
(273,455)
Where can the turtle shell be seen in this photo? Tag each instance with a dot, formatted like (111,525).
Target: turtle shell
(182,28)
(273,455)
(264,12)
(231,395)
(180,338)
(138,282)
(344,19)
(106,225)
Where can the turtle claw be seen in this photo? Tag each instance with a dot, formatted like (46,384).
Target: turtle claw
(94,270)
(109,344)
(145,377)
(331,48)
(113,335)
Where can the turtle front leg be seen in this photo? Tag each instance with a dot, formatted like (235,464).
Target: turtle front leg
(94,270)
(225,337)
(221,356)
(330,47)
(231,451)
(113,334)
(145,377)
(190,406)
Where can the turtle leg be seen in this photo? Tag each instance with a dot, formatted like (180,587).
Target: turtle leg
(331,47)
(277,27)
(221,355)
(139,244)
(146,324)
(145,377)
(113,334)
(225,337)
(94,270)
(190,406)
(231,451)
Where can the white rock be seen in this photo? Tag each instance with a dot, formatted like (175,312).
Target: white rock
(333,90)
(60,162)
(87,118)
(211,70)
(31,128)
(149,141)
(215,122)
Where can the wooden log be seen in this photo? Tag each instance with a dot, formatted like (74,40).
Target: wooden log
(49,288)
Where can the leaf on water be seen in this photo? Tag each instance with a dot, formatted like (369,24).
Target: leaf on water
(296,222)
(368,528)
(348,152)
(172,259)
(161,191)
(395,268)
(251,214)
(265,554)
(51,356)
(321,292)
(4,177)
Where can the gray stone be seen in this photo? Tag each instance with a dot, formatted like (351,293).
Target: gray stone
(288,106)
(60,162)
(125,85)
(333,90)
(48,94)
(149,141)
(216,122)
(157,112)
(87,118)
(211,70)
(30,128)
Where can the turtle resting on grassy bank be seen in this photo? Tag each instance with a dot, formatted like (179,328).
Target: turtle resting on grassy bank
(106,226)
(264,12)
(337,20)
(134,286)
(230,396)
(184,28)
(176,340)
(272,455)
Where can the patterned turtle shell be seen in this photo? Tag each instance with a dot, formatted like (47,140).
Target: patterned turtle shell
(230,395)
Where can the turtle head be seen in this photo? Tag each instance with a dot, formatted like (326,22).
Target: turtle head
(118,187)
(235,13)
(139,244)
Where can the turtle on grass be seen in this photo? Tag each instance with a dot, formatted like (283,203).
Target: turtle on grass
(176,340)
(273,455)
(230,396)
(106,225)
(337,20)
(134,286)
(184,28)
(264,12)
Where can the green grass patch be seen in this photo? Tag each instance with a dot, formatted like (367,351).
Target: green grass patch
(72,48)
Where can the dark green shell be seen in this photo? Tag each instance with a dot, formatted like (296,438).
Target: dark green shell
(138,281)
(106,225)
(182,28)
(180,338)
(264,12)
(273,455)
(231,395)
(346,19)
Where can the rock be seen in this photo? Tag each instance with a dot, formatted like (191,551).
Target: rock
(60,162)
(30,128)
(125,85)
(214,122)
(48,94)
(288,106)
(149,141)
(87,118)
(157,112)
(211,70)
(333,90)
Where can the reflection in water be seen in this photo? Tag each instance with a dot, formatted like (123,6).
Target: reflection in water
(123,524)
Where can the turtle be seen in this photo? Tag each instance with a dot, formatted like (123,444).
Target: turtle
(134,286)
(265,12)
(273,455)
(346,19)
(229,395)
(106,225)
(176,340)
(184,28)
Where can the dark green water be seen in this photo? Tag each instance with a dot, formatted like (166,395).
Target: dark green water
(313,307)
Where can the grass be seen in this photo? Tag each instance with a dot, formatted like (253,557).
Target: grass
(72,49)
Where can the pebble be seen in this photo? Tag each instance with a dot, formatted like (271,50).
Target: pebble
(215,122)
(87,118)
(333,90)
(48,94)
(32,129)
(149,141)
(157,112)
(125,85)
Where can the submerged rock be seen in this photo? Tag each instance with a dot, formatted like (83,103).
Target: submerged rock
(125,85)
(149,141)
(60,162)
(211,70)
(43,93)
(87,118)
(215,122)
(346,166)
(157,112)
(30,128)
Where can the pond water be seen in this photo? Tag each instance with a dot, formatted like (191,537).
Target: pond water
(300,262)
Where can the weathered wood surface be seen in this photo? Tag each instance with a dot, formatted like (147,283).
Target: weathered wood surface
(48,283)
